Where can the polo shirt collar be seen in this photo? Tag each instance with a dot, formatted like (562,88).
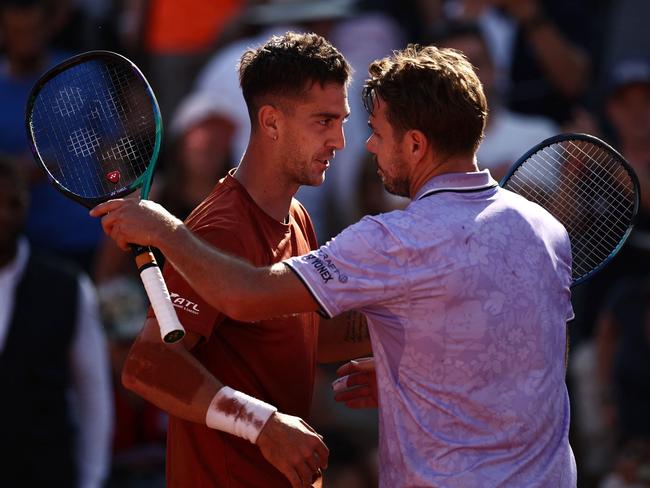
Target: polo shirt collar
(457,182)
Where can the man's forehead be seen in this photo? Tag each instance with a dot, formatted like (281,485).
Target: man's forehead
(317,89)
(330,96)
(378,109)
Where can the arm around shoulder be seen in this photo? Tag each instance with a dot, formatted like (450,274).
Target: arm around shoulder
(233,286)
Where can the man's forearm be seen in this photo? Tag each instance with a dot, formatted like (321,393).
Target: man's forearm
(209,271)
(234,287)
(169,376)
(231,285)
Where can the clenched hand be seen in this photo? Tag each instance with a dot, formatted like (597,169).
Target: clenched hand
(294,448)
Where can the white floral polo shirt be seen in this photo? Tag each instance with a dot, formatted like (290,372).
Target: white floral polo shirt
(467,297)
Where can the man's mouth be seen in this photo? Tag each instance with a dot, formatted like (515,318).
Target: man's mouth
(324,161)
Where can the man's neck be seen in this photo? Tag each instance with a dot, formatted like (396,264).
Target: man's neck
(453,164)
(270,191)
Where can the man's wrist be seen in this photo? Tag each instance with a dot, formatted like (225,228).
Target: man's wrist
(238,413)
(175,235)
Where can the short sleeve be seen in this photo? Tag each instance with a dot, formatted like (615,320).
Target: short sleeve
(359,269)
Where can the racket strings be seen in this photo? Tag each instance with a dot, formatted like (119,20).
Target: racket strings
(607,185)
(590,201)
(92,120)
(616,172)
(130,147)
(539,176)
(595,182)
(588,190)
(601,245)
(543,197)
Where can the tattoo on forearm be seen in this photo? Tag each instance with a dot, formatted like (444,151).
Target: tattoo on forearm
(356,329)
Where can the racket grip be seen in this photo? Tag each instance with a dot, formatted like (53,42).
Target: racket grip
(171,329)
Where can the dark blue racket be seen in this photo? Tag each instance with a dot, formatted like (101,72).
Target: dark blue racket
(589,187)
(95,127)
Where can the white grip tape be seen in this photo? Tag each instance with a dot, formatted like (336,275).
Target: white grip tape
(238,413)
(156,289)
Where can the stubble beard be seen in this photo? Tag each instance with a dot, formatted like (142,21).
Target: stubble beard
(301,168)
(396,185)
(303,173)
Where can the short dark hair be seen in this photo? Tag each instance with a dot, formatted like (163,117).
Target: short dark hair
(287,66)
(432,90)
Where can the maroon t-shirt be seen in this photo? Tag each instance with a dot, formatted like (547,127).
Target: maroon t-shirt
(273,360)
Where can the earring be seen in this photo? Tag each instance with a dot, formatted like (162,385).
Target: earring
(275,138)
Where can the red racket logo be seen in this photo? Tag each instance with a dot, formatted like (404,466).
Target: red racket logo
(113,177)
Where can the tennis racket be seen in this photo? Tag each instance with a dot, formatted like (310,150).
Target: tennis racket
(586,185)
(95,127)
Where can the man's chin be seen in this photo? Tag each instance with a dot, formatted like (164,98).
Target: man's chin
(397,190)
(314,180)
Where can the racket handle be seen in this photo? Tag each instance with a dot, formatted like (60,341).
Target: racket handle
(171,329)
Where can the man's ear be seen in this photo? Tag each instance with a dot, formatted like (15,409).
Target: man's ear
(416,145)
(268,118)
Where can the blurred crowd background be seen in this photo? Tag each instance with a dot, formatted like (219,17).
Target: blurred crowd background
(548,66)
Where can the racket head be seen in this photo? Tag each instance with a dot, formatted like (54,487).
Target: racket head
(95,127)
(589,187)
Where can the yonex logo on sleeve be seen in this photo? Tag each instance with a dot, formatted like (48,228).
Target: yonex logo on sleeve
(325,267)
(184,304)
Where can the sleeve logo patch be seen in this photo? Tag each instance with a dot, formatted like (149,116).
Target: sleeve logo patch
(323,264)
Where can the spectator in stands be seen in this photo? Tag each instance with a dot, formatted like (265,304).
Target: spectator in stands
(542,47)
(54,223)
(611,387)
(56,404)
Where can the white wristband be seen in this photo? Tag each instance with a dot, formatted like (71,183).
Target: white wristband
(238,413)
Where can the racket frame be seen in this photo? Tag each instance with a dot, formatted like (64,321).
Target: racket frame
(144,180)
(575,136)
(171,329)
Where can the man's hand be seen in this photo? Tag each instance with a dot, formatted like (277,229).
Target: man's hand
(129,221)
(357,384)
(294,448)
